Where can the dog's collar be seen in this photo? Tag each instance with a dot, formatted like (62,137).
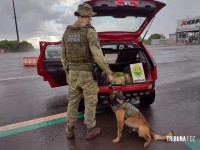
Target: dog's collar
(120,101)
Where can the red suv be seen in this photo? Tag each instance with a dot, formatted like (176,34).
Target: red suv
(119,24)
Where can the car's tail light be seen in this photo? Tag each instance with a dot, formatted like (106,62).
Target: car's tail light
(151,85)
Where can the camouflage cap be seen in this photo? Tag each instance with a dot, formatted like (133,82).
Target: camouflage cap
(85,10)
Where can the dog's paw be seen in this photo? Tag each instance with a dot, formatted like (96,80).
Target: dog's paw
(145,145)
(115,140)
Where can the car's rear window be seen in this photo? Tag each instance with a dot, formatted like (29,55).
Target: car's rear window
(109,23)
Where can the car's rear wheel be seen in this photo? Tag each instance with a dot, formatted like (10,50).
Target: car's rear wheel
(148,100)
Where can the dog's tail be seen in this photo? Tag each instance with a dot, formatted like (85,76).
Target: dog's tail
(161,137)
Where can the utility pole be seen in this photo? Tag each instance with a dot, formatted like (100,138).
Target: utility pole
(15,21)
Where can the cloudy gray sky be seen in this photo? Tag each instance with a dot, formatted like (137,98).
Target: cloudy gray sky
(47,19)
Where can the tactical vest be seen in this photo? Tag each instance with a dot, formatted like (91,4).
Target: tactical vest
(130,110)
(77,45)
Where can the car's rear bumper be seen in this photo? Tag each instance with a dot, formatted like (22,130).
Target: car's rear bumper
(125,88)
(134,91)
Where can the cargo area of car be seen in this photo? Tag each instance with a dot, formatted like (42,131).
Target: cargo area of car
(120,58)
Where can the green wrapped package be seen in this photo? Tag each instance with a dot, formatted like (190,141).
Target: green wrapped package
(119,78)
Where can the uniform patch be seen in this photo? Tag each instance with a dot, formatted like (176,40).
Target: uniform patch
(73,38)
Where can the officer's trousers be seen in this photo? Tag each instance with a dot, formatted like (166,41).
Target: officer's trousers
(81,83)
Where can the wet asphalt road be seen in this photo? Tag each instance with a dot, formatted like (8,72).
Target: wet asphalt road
(25,96)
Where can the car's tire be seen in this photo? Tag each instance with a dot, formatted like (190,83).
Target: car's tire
(81,106)
(148,100)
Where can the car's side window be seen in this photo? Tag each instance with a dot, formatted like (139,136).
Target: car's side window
(53,52)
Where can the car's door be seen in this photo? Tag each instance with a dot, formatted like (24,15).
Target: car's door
(49,64)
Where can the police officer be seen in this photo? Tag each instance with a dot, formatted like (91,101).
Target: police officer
(80,51)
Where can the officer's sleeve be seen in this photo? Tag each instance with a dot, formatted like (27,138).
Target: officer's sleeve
(64,55)
(97,52)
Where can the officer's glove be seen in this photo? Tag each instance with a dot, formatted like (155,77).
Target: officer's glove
(110,78)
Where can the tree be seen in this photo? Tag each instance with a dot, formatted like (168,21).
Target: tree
(145,41)
(15,46)
(155,36)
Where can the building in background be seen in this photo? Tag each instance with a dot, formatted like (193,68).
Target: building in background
(188,30)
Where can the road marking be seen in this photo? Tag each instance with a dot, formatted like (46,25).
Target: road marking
(19,78)
(39,123)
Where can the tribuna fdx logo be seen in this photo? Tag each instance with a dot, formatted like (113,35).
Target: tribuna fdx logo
(190,22)
(181,138)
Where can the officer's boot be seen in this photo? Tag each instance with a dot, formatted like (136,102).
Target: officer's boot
(70,132)
(92,133)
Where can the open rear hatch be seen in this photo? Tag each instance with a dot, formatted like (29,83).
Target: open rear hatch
(144,10)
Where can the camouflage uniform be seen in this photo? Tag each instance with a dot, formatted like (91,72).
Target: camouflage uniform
(80,51)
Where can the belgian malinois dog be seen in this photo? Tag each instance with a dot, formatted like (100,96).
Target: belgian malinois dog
(133,118)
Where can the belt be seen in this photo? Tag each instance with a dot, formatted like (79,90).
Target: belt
(81,67)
